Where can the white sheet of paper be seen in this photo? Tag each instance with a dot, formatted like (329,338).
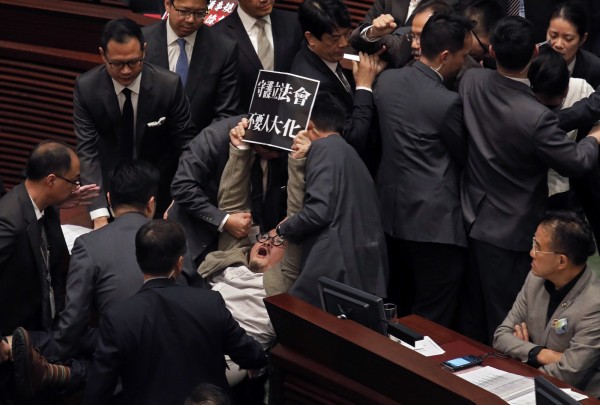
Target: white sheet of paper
(427,347)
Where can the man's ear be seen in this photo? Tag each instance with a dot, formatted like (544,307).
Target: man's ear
(310,38)
(102,54)
(151,207)
(563,261)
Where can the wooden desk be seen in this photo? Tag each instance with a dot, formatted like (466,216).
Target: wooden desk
(321,359)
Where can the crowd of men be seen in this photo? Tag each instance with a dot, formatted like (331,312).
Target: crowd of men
(421,177)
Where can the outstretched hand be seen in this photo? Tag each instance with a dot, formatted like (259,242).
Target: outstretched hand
(82,196)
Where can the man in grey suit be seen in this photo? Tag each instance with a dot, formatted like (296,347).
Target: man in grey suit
(553,324)
(128,109)
(424,147)
(339,227)
(282,35)
(513,139)
(103,269)
(208,66)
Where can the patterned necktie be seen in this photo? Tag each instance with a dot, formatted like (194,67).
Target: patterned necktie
(126,130)
(48,305)
(265,50)
(340,73)
(512,7)
(181,68)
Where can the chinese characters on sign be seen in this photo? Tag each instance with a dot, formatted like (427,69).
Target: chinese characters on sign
(219,9)
(281,106)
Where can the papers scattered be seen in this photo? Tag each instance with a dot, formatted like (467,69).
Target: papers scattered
(72,232)
(427,347)
(529,399)
(507,386)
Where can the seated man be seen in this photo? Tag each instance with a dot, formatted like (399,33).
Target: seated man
(167,338)
(553,323)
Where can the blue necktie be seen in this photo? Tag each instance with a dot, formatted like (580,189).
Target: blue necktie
(181,68)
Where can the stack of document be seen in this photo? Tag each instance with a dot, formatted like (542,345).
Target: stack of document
(514,389)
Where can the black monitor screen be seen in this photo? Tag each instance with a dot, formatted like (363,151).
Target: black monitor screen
(347,302)
(547,393)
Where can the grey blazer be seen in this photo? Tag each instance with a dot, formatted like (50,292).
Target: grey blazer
(580,344)
(424,146)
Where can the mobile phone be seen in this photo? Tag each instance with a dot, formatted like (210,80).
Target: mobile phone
(460,363)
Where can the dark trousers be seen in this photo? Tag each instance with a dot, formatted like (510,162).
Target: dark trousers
(494,278)
(428,278)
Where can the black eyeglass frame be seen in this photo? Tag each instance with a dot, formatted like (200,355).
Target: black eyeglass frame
(278,240)
(132,64)
(76,183)
(198,15)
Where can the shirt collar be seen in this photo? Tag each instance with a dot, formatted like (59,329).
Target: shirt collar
(248,21)
(518,79)
(562,292)
(571,65)
(38,214)
(134,86)
(172,36)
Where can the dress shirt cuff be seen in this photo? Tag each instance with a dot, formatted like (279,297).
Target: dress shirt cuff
(363,35)
(222,224)
(242,147)
(364,88)
(100,212)
(532,356)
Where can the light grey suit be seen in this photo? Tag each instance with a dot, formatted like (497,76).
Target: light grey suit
(580,344)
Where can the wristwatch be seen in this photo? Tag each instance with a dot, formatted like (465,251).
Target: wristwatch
(532,356)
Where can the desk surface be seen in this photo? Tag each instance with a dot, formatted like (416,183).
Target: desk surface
(457,345)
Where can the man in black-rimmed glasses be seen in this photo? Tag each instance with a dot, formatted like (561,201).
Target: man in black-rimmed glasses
(206,62)
(126,109)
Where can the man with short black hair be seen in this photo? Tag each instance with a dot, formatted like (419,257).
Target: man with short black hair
(166,338)
(553,324)
(128,109)
(513,140)
(424,148)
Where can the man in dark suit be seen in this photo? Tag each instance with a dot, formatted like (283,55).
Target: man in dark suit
(513,139)
(33,254)
(423,149)
(166,339)
(128,109)
(209,65)
(281,32)
(196,184)
(326,26)
(339,227)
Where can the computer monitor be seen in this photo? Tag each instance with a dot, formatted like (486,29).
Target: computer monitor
(547,393)
(347,302)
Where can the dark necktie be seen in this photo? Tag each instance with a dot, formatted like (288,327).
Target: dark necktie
(264,48)
(126,130)
(181,68)
(340,73)
(257,192)
(512,7)
(48,305)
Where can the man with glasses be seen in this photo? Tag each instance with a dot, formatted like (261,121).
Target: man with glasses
(553,323)
(33,254)
(206,61)
(126,109)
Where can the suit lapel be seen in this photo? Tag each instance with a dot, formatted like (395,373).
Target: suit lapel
(332,77)
(400,9)
(33,229)
(156,49)
(200,61)
(106,93)
(145,107)
(279,33)
(237,31)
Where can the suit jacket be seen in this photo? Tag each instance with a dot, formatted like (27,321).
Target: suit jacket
(583,113)
(164,341)
(103,271)
(587,66)
(287,37)
(423,147)
(359,104)
(580,344)
(339,225)
(196,184)
(213,80)
(513,139)
(22,269)
(538,12)
(96,116)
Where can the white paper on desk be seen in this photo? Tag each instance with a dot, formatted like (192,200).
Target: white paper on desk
(72,232)
(508,386)
(427,347)
(529,399)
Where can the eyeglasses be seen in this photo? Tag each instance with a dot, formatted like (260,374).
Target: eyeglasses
(485,49)
(186,13)
(76,182)
(413,37)
(264,237)
(119,65)
(535,251)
